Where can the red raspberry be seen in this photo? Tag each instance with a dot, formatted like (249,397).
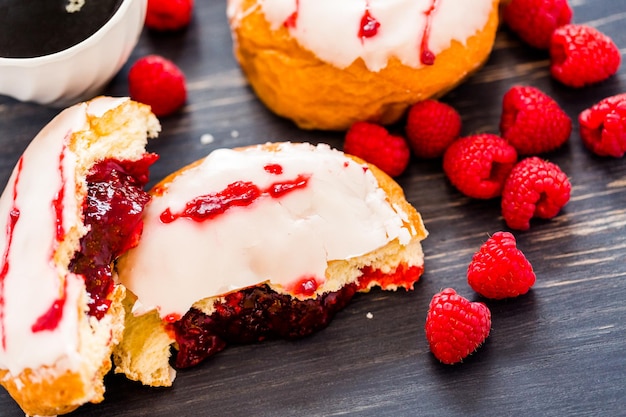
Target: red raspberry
(455,327)
(532,121)
(166,15)
(158,82)
(603,126)
(535,188)
(431,127)
(374,144)
(535,20)
(478,165)
(499,269)
(581,55)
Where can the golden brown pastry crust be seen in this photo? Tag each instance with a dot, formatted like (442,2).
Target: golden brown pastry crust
(62,394)
(46,391)
(295,84)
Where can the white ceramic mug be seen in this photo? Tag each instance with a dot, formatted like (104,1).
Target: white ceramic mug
(80,71)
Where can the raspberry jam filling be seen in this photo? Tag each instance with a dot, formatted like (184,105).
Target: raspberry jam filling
(258,313)
(253,315)
(113,207)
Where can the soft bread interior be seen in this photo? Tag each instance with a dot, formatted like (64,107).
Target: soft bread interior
(144,353)
(294,83)
(121,132)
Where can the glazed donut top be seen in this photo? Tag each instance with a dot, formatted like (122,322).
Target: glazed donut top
(340,31)
(245,217)
(38,298)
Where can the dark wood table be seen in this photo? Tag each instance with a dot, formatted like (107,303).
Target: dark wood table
(559,350)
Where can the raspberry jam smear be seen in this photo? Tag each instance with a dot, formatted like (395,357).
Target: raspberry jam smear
(258,313)
(369,26)
(52,317)
(112,209)
(427,57)
(236,194)
(14,216)
(292,20)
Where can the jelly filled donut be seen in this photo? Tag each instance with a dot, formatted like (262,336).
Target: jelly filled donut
(72,204)
(259,242)
(325,63)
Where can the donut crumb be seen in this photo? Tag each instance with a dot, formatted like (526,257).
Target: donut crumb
(73,6)
(206,138)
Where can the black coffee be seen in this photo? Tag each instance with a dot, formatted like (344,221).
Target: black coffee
(31,28)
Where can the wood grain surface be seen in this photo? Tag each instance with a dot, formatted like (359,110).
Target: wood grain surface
(557,351)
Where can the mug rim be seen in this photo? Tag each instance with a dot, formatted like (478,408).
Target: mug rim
(94,37)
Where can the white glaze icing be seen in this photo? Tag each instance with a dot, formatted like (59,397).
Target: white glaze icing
(340,214)
(33,282)
(330,28)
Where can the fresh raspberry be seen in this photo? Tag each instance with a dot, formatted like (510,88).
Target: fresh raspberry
(532,121)
(499,269)
(374,144)
(535,188)
(603,126)
(158,82)
(455,327)
(478,165)
(581,55)
(168,15)
(535,20)
(431,127)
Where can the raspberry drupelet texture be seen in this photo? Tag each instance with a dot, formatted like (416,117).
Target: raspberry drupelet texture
(532,121)
(478,165)
(374,144)
(534,188)
(581,55)
(534,21)
(499,269)
(158,82)
(168,15)
(603,126)
(431,127)
(455,327)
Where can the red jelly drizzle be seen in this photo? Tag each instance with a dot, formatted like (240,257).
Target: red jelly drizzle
(276,169)
(236,194)
(305,287)
(57,203)
(427,57)
(258,313)
(51,318)
(112,209)
(369,25)
(292,20)
(205,207)
(278,189)
(172,318)
(14,216)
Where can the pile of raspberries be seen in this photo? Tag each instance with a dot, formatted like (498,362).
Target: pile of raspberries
(510,165)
